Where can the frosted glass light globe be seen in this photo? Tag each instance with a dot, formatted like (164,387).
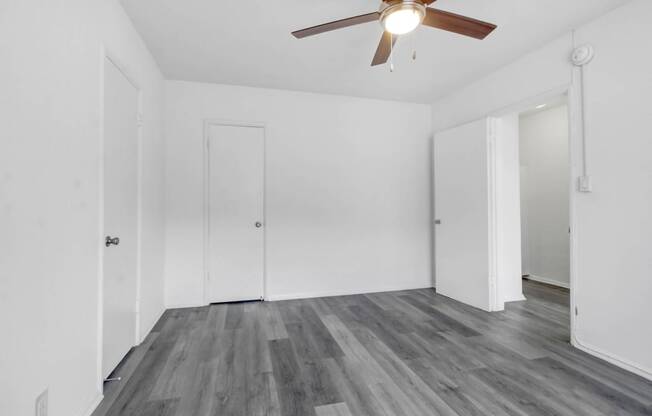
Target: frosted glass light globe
(403,21)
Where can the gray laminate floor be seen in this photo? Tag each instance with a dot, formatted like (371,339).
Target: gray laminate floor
(398,353)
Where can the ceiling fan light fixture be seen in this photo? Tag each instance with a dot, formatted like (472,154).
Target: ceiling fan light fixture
(403,17)
(398,17)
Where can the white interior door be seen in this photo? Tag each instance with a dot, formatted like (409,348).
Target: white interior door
(462,249)
(120,220)
(236,237)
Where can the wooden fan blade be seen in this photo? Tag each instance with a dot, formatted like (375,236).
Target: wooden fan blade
(457,23)
(385,46)
(338,24)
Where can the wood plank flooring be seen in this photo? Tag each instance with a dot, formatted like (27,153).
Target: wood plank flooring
(399,353)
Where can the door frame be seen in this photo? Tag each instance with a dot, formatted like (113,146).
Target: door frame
(495,303)
(106,54)
(575,152)
(206,199)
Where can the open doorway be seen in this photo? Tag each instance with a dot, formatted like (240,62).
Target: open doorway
(544,153)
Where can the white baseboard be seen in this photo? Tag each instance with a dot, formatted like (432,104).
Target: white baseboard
(328,293)
(185,305)
(612,359)
(308,295)
(144,335)
(519,298)
(547,281)
(94,404)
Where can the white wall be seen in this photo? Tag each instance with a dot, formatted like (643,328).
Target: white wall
(613,231)
(348,190)
(49,195)
(544,195)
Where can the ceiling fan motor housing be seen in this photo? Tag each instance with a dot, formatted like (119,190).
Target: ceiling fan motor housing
(388,3)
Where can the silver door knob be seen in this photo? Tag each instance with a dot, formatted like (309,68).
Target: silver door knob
(111,241)
(259,224)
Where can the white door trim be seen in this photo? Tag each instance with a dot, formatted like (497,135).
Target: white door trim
(206,202)
(104,55)
(495,304)
(575,160)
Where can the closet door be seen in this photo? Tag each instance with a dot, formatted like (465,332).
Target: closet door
(120,216)
(235,206)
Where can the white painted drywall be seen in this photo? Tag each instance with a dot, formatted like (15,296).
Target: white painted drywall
(49,195)
(191,45)
(544,195)
(348,190)
(613,230)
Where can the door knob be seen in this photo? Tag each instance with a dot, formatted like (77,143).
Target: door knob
(111,241)
(437,222)
(258,224)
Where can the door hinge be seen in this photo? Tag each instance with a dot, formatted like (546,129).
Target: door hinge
(139,119)
(576,311)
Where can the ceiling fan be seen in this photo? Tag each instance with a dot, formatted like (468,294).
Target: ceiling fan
(399,17)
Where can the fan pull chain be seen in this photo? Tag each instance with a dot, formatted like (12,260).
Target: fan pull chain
(391,53)
(414,45)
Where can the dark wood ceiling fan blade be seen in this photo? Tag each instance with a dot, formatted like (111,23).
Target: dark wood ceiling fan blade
(338,24)
(387,42)
(456,23)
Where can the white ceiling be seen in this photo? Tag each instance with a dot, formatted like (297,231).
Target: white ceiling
(249,43)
